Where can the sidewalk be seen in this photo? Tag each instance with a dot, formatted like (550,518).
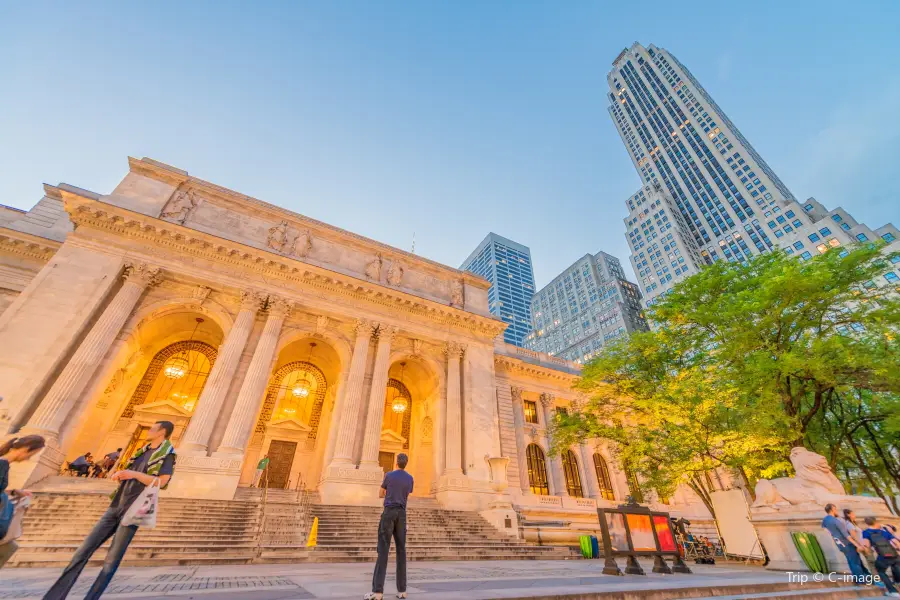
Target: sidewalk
(482,580)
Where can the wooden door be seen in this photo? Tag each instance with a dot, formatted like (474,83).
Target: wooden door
(281,458)
(386,460)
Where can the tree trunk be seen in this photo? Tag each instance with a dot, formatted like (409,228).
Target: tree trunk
(865,469)
(696,485)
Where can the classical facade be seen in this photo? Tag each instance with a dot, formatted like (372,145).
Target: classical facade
(259,331)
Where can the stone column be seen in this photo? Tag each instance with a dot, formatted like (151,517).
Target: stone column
(453,439)
(375,412)
(592,486)
(343,448)
(196,438)
(253,388)
(519,421)
(54,409)
(556,471)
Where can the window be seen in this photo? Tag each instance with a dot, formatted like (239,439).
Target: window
(891,277)
(530,411)
(836,218)
(176,373)
(888,237)
(808,207)
(862,237)
(634,485)
(798,245)
(537,470)
(806,255)
(845,226)
(814,237)
(603,478)
(825,231)
(573,479)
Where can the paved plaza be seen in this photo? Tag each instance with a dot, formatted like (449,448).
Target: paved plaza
(427,580)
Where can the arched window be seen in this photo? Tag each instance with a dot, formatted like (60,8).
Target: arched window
(634,486)
(603,478)
(537,470)
(296,391)
(573,479)
(397,410)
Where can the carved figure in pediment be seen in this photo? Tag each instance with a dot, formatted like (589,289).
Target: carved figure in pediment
(181,206)
(373,269)
(395,273)
(299,243)
(278,236)
(457,297)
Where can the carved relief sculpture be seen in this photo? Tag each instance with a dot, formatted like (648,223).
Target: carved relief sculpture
(457,294)
(181,206)
(373,269)
(289,241)
(301,243)
(277,238)
(200,293)
(395,273)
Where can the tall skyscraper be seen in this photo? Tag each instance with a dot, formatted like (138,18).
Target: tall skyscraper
(584,308)
(707,195)
(507,265)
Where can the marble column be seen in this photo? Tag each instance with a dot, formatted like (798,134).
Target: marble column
(54,409)
(453,439)
(521,446)
(556,470)
(592,486)
(346,431)
(254,386)
(375,412)
(196,438)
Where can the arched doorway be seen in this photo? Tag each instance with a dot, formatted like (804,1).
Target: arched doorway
(537,470)
(573,478)
(603,478)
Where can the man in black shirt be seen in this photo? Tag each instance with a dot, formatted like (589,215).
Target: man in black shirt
(155,460)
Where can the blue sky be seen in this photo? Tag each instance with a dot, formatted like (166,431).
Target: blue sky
(444,119)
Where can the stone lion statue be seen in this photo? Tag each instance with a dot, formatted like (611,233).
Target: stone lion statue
(814,483)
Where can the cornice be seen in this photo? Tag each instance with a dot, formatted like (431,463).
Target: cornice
(92,214)
(27,245)
(155,170)
(515,365)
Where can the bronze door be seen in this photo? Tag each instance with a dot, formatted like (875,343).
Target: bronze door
(281,458)
(386,460)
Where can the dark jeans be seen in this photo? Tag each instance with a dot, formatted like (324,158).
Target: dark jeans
(393,523)
(882,565)
(108,526)
(854,561)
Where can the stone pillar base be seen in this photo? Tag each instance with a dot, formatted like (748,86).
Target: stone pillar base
(345,484)
(502,516)
(44,464)
(207,477)
(454,492)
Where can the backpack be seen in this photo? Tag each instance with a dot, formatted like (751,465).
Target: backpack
(881,544)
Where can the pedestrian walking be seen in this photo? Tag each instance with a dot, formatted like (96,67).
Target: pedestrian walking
(14,450)
(849,547)
(395,489)
(156,460)
(855,532)
(886,548)
(261,466)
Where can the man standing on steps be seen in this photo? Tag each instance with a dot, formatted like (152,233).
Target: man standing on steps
(261,466)
(155,460)
(395,489)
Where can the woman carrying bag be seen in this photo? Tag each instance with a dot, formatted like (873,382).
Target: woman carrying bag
(14,502)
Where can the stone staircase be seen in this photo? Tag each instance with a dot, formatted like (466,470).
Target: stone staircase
(349,534)
(188,532)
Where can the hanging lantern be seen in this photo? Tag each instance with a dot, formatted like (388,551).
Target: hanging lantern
(176,367)
(301,390)
(399,404)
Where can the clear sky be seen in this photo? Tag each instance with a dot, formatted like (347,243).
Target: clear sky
(444,119)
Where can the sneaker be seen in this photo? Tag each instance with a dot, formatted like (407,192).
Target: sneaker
(373,596)
(892,595)
(401,595)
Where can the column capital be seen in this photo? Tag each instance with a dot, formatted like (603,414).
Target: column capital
(516,393)
(386,332)
(546,400)
(278,306)
(363,328)
(143,274)
(252,300)
(454,349)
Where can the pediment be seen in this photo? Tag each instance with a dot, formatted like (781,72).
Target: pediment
(289,425)
(388,435)
(165,407)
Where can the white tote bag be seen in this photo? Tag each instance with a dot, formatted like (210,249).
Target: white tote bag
(15,527)
(142,511)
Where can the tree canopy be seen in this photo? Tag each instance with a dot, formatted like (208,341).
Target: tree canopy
(747,360)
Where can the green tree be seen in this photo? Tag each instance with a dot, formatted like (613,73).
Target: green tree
(746,361)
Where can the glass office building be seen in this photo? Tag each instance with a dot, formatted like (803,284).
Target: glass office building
(507,265)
